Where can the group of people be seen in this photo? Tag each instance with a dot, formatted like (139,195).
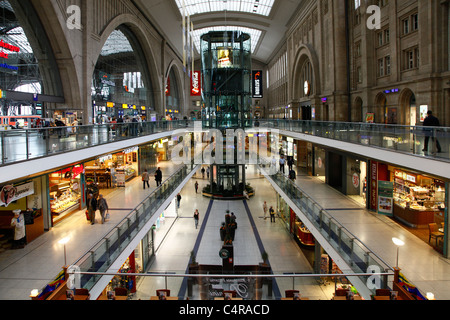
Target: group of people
(93,204)
(269,210)
(146,178)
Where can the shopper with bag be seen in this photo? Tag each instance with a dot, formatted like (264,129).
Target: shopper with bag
(145,178)
(103,207)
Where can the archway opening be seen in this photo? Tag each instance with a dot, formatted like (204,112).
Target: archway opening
(121,83)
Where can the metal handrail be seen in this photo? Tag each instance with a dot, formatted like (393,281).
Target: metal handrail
(127,217)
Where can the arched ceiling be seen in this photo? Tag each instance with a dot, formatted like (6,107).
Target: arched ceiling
(269,20)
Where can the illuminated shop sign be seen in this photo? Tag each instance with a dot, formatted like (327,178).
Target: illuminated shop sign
(196,84)
(257,84)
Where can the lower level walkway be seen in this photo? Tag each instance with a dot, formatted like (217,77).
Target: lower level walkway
(253,235)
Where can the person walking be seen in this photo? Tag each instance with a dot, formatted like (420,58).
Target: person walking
(272,214)
(196,218)
(145,178)
(265,210)
(203,173)
(92,207)
(282,163)
(431,121)
(207,173)
(178,200)
(290,163)
(103,207)
(158,177)
(18,222)
(196,186)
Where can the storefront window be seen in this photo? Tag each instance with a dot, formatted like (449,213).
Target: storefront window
(418,199)
(65,192)
(319,163)
(121,81)
(172,97)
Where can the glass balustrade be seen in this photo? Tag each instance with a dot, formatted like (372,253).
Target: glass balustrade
(406,139)
(22,145)
(351,249)
(243,285)
(26,144)
(101,256)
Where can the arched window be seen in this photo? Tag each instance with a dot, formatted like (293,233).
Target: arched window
(121,81)
(307,79)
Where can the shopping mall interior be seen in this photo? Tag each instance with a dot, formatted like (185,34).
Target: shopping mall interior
(210,150)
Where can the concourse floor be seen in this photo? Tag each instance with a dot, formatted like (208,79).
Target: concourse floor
(253,236)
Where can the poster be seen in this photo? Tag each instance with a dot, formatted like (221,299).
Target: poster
(370,117)
(386,197)
(120,179)
(10,193)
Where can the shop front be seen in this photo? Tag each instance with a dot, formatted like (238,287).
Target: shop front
(320,160)
(27,196)
(357,180)
(292,223)
(66,192)
(418,199)
(113,170)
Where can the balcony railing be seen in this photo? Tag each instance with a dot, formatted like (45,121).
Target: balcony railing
(353,251)
(399,138)
(27,144)
(101,256)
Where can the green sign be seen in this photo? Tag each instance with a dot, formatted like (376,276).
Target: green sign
(386,197)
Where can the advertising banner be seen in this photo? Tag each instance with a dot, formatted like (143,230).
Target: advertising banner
(196,84)
(257,84)
(10,193)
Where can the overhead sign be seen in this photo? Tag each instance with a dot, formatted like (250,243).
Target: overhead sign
(10,193)
(257,84)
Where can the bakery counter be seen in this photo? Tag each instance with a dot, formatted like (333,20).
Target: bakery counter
(415,218)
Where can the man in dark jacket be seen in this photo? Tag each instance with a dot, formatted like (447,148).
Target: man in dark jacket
(92,207)
(158,177)
(431,121)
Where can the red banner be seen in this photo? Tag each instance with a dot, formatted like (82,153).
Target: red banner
(196,84)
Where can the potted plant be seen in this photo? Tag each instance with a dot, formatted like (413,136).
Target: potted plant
(265,257)
(193,261)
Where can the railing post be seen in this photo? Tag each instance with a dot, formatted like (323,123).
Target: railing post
(3,147)
(27,144)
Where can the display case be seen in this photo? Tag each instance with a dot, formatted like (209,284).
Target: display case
(128,171)
(64,198)
(417,199)
(303,234)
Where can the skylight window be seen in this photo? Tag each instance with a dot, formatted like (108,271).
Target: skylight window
(193,7)
(254,34)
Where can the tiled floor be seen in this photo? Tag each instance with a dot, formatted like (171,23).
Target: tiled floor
(284,254)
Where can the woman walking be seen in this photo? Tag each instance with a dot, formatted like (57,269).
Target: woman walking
(196,218)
